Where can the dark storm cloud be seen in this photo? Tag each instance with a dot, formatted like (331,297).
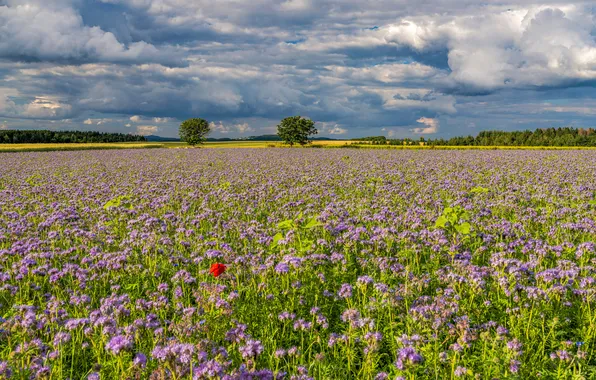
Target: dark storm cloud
(385,67)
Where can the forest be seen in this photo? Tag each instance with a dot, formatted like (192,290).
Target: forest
(45,136)
(541,137)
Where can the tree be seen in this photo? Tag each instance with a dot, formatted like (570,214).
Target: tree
(194,131)
(296,129)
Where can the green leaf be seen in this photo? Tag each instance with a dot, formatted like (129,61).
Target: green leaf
(112,203)
(479,190)
(464,228)
(306,244)
(34,179)
(441,222)
(286,224)
(277,238)
(593,202)
(313,223)
(119,201)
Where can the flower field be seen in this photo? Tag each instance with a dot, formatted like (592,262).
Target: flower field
(298,264)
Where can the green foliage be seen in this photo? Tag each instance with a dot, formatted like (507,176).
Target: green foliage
(34,179)
(479,190)
(194,131)
(296,129)
(540,137)
(64,137)
(119,201)
(301,227)
(375,140)
(452,219)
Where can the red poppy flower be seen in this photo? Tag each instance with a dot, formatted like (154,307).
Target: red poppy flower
(217,269)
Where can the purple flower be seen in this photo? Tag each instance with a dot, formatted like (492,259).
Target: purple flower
(209,369)
(119,343)
(251,349)
(279,353)
(282,268)
(407,356)
(345,291)
(562,355)
(61,337)
(5,370)
(514,366)
(140,360)
(350,315)
(460,371)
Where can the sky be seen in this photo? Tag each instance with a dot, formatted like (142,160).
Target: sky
(396,68)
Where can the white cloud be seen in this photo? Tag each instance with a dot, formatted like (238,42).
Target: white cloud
(97,121)
(395,98)
(161,120)
(56,32)
(432,126)
(571,109)
(39,107)
(519,47)
(224,129)
(146,130)
(135,119)
(332,129)
(395,73)
(4,125)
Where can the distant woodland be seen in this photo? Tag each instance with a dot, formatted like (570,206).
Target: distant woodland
(44,136)
(540,137)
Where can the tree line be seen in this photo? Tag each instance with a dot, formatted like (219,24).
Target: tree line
(566,136)
(291,130)
(61,137)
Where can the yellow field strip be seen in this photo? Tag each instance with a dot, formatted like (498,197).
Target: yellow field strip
(257,144)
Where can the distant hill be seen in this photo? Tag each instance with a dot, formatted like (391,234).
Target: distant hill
(154,138)
(159,138)
(263,138)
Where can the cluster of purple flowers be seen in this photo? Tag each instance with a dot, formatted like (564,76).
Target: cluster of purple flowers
(337,262)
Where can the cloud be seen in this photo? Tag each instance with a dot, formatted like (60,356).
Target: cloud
(332,129)
(246,65)
(224,129)
(161,120)
(521,47)
(96,121)
(146,130)
(432,126)
(34,31)
(4,125)
(36,107)
(571,109)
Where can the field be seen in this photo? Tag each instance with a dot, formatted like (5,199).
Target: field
(257,144)
(65,147)
(340,264)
